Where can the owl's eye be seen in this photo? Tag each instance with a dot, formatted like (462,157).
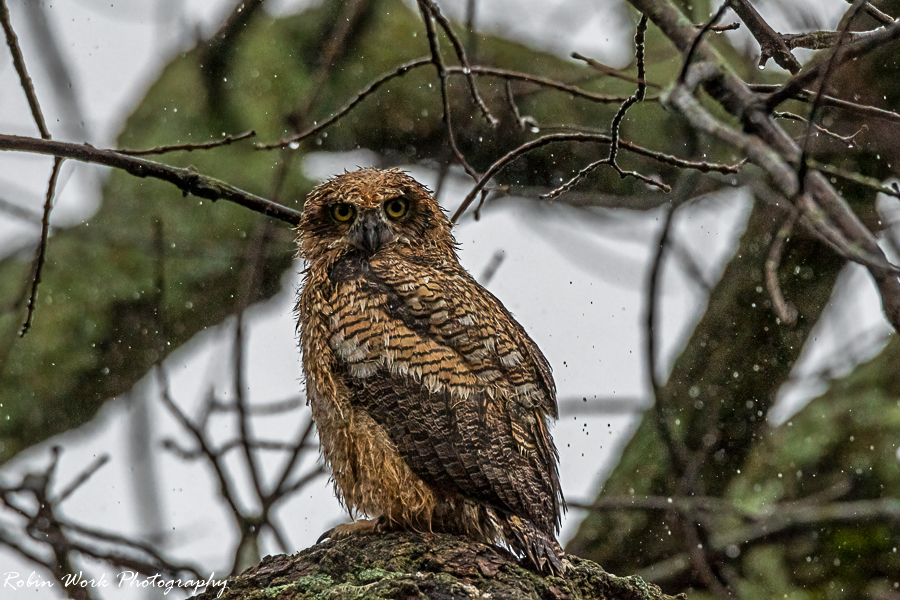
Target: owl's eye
(343,212)
(396,208)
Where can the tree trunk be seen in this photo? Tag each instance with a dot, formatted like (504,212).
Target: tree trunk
(412,565)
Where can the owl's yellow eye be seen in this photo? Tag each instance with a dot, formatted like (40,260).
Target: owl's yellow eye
(343,212)
(396,208)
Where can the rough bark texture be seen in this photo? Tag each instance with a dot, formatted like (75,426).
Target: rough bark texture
(410,565)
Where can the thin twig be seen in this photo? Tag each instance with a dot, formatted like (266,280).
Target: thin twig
(689,56)
(294,140)
(841,138)
(511,100)
(225,141)
(833,60)
(600,138)
(243,415)
(785,311)
(610,160)
(337,43)
(685,504)
(607,70)
(866,43)
(859,178)
(602,406)
(697,551)
(41,257)
(24,79)
(818,40)
(251,276)
(771,43)
(28,87)
(438,62)
(638,95)
(544,82)
(82,478)
(268,408)
(303,481)
(883,18)
(224,488)
(584,172)
(722,28)
(172,446)
(20,212)
(463,61)
(281,486)
(138,545)
(872,112)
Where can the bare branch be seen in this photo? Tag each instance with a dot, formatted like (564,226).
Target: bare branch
(600,138)
(83,477)
(841,138)
(786,312)
(294,140)
(771,43)
(225,141)
(606,70)
(544,82)
(438,62)
(872,112)
(817,40)
(811,72)
(224,488)
(41,256)
(689,55)
(24,79)
(187,180)
(833,60)
(857,178)
(463,61)
(876,14)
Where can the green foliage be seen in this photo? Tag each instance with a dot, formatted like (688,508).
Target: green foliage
(842,447)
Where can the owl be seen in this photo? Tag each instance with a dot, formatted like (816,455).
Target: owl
(431,402)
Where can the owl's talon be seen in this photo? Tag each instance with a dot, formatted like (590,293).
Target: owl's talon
(325,535)
(345,530)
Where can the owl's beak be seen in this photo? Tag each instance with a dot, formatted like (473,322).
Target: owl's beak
(370,232)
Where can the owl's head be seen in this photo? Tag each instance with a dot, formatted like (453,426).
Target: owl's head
(372,211)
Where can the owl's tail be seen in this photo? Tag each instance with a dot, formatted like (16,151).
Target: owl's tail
(542,550)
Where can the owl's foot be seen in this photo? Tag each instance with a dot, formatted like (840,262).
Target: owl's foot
(360,527)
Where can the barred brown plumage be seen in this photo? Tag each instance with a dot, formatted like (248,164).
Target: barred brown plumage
(431,402)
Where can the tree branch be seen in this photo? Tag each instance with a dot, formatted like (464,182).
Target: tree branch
(187,180)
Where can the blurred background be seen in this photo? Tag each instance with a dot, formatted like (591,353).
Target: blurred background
(164,336)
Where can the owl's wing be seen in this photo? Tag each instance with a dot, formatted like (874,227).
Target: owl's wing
(456,383)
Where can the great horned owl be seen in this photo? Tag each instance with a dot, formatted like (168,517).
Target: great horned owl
(431,401)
